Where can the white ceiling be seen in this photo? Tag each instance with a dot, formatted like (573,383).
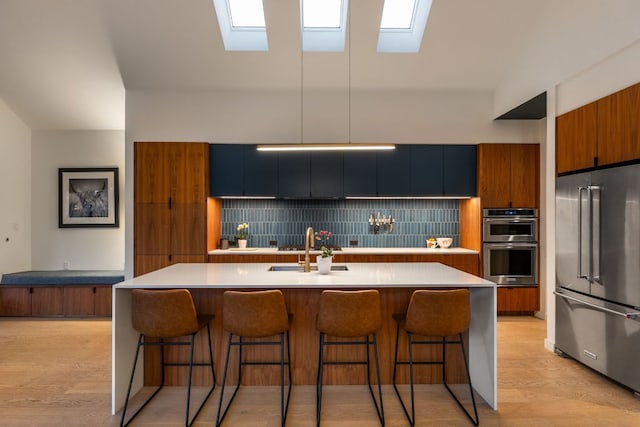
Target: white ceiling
(66,63)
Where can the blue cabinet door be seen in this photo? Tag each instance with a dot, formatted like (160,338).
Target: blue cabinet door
(327,176)
(394,172)
(360,174)
(427,172)
(226,170)
(260,172)
(460,170)
(294,175)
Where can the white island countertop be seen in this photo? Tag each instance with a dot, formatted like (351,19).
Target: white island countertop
(348,251)
(258,276)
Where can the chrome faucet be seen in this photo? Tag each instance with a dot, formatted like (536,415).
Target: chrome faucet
(308,244)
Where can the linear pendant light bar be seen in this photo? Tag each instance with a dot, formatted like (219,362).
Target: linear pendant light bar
(324,147)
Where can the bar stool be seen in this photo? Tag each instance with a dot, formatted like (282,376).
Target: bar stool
(349,314)
(164,314)
(434,313)
(258,314)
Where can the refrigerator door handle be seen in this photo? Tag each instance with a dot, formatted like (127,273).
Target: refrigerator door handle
(580,275)
(594,240)
(626,314)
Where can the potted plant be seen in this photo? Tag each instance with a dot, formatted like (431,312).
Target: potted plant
(325,259)
(241,234)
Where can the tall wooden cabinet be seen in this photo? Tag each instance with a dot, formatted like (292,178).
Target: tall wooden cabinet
(509,175)
(170,194)
(604,132)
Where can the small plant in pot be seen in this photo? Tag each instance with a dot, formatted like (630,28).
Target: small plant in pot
(324,259)
(241,235)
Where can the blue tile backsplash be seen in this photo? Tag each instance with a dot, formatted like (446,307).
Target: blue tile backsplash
(285,221)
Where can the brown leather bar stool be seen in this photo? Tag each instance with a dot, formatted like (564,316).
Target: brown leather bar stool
(257,314)
(434,313)
(350,314)
(164,314)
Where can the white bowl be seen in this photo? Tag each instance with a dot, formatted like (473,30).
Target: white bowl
(444,242)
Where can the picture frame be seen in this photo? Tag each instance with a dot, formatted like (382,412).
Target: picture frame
(87,197)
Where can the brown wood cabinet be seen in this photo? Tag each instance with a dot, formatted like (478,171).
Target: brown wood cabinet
(603,132)
(67,300)
(171,189)
(576,139)
(509,175)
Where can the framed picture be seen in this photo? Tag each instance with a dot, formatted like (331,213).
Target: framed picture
(88,197)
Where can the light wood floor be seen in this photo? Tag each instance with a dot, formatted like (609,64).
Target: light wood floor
(58,373)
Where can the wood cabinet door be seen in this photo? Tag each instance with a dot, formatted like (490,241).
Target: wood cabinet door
(525,175)
(619,126)
(188,229)
(103,296)
(494,175)
(576,139)
(79,301)
(152,172)
(143,264)
(189,172)
(47,301)
(152,232)
(15,301)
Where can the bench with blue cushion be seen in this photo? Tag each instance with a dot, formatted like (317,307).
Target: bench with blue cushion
(58,292)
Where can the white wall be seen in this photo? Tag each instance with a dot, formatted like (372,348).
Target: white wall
(15,188)
(83,248)
(598,28)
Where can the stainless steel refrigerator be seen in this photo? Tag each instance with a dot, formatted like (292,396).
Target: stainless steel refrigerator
(598,271)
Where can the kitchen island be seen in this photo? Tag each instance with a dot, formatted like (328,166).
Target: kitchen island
(395,281)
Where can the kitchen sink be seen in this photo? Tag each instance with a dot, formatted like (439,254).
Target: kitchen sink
(301,268)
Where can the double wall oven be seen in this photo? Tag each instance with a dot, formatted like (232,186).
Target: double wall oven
(510,246)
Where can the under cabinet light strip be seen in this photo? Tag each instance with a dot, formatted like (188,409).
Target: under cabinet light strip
(324,147)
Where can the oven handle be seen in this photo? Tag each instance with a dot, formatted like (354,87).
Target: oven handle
(512,245)
(510,220)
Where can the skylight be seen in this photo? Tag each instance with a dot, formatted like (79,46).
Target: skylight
(323,24)
(321,13)
(402,25)
(246,13)
(398,14)
(242,24)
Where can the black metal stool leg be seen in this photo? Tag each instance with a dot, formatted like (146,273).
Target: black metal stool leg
(475,420)
(319,381)
(133,372)
(380,409)
(220,414)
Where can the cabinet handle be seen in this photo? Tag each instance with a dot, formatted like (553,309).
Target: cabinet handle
(169,202)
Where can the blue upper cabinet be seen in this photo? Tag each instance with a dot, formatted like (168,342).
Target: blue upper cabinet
(327,174)
(460,170)
(408,171)
(360,174)
(394,172)
(260,172)
(427,170)
(294,174)
(226,169)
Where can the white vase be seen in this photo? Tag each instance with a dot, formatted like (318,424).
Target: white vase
(324,264)
(242,243)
